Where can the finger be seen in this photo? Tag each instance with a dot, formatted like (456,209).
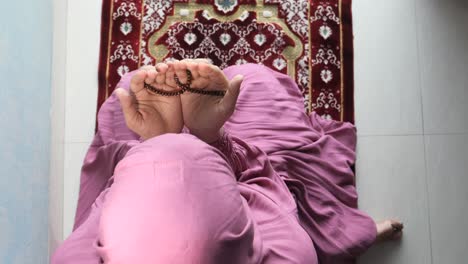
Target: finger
(203,60)
(192,66)
(181,71)
(206,70)
(229,100)
(170,74)
(138,81)
(128,105)
(147,67)
(161,69)
(151,76)
(188,60)
(202,76)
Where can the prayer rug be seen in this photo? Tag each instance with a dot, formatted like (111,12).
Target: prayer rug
(309,40)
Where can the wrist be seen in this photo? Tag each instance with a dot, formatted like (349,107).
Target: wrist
(208,137)
(151,134)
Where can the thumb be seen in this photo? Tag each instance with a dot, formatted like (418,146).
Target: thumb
(230,99)
(128,104)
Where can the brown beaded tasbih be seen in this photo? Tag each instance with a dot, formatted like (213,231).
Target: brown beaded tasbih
(184,88)
(162,92)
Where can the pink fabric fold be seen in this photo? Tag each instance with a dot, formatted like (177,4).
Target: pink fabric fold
(314,156)
(293,173)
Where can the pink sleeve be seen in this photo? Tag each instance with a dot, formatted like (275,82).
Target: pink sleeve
(96,174)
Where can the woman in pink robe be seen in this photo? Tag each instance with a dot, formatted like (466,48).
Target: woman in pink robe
(258,181)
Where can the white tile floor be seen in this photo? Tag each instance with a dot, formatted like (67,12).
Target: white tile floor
(411,113)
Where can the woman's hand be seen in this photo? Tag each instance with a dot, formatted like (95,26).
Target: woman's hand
(205,115)
(149,114)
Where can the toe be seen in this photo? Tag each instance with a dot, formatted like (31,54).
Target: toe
(397,235)
(397,225)
(389,230)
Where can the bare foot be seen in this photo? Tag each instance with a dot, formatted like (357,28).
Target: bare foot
(389,230)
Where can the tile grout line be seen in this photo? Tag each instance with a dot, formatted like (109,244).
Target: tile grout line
(390,135)
(64,120)
(447,134)
(414,134)
(418,56)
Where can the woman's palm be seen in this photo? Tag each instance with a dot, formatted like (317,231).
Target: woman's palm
(204,115)
(149,114)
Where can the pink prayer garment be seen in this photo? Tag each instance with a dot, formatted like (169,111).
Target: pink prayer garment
(278,187)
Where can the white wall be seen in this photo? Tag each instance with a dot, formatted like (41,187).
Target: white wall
(25,58)
(57,124)
(75,60)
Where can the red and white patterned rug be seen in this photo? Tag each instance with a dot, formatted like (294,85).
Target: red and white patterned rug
(309,40)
